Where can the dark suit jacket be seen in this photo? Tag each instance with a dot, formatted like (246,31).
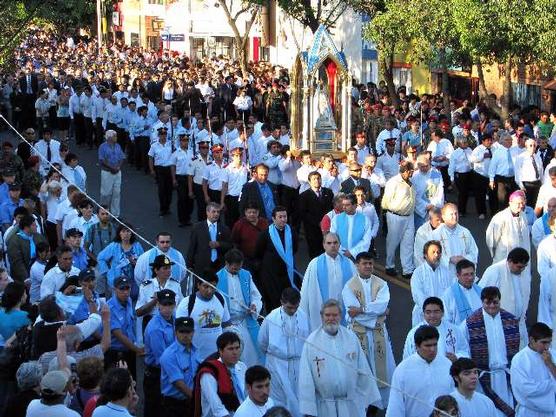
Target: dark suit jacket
(250,192)
(348,186)
(34,84)
(227,93)
(198,255)
(312,209)
(19,255)
(547,155)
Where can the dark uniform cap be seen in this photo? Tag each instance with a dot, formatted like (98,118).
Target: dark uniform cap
(122,281)
(74,232)
(14,187)
(162,129)
(87,275)
(166,296)
(161,260)
(184,323)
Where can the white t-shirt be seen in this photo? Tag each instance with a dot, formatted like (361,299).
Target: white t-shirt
(208,317)
(38,409)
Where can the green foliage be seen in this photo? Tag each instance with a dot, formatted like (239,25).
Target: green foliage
(313,13)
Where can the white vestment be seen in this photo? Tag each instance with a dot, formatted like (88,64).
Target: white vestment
(506,232)
(416,378)
(497,358)
(451,340)
(422,236)
(311,296)
(533,385)
(426,283)
(479,405)
(281,338)
(354,247)
(451,313)
(371,312)
(546,255)
(515,291)
(334,376)
(456,242)
(547,301)
(238,316)
(249,409)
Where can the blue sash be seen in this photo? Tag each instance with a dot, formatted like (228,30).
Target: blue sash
(32,246)
(245,284)
(358,228)
(545,225)
(322,274)
(464,309)
(173,255)
(287,254)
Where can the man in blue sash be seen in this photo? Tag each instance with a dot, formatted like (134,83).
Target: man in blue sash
(541,227)
(463,297)
(276,247)
(324,279)
(353,229)
(244,302)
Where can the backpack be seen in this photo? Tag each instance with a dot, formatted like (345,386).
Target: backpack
(193,297)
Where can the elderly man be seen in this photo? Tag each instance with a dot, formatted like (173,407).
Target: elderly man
(325,278)
(111,157)
(334,375)
(508,229)
(457,241)
(399,202)
(423,234)
(546,192)
(429,189)
(513,277)
(541,227)
(501,170)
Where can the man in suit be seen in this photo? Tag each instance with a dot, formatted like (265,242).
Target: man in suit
(22,248)
(355,180)
(260,191)
(29,85)
(210,240)
(227,94)
(545,151)
(314,203)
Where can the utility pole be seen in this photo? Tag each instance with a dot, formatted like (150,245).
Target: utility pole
(99,24)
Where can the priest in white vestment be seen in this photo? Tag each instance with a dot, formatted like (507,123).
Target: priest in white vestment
(335,379)
(366,299)
(430,279)
(281,338)
(424,375)
(533,375)
(463,297)
(513,278)
(546,254)
(547,301)
(541,227)
(424,233)
(470,402)
(324,279)
(451,342)
(457,241)
(509,229)
(353,229)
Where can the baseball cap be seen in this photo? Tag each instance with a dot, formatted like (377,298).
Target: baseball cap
(74,232)
(184,323)
(166,296)
(54,383)
(14,187)
(122,281)
(87,275)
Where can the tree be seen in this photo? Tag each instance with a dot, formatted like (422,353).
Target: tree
(312,14)
(232,15)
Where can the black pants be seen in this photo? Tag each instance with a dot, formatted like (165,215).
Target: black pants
(463,184)
(504,187)
(200,199)
(185,204)
(79,123)
(289,198)
(172,407)
(112,357)
(142,146)
(214,195)
(123,138)
(313,235)
(51,235)
(151,392)
(99,132)
(88,129)
(481,189)
(531,191)
(445,177)
(165,187)
(232,210)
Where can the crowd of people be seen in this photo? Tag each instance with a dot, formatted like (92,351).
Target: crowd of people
(233,326)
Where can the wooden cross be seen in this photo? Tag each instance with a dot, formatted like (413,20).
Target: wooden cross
(318,360)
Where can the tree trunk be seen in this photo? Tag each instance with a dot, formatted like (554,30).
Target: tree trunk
(483,93)
(445,78)
(386,66)
(507,87)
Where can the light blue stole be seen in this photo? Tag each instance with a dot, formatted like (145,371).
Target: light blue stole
(545,225)
(245,284)
(287,254)
(464,309)
(358,228)
(173,255)
(322,274)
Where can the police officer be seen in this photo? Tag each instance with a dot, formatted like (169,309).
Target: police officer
(147,302)
(160,160)
(159,334)
(178,365)
(182,168)
(212,177)
(198,165)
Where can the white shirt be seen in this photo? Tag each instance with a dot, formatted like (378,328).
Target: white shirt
(459,162)
(182,161)
(303,176)
(235,177)
(377,180)
(481,160)
(478,405)
(161,153)
(389,164)
(524,169)
(368,209)
(289,170)
(41,148)
(387,134)
(499,164)
(213,175)
(210,401)
(149,289)
(546,192)
(54,279)
(37,409)
(442,148)
(198,165)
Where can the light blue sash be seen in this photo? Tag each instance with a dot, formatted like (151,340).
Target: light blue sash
(464,309)
(32,246)
(287,254)
(545,225)
(245,284)
(173,255)
(322,274)
(358,228)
